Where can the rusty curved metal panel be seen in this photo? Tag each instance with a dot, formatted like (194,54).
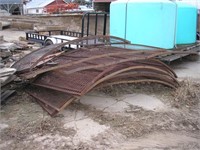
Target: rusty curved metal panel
(33,74)
(26,62)
(51,100)
(96,63)
(34,57)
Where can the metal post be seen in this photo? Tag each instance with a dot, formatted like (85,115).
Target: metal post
(96,21)
(83,25)
(105,19)
(88,24)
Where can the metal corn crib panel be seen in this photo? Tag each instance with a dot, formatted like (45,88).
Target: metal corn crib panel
(93,65)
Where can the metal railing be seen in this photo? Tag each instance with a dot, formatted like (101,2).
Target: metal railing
(96,14)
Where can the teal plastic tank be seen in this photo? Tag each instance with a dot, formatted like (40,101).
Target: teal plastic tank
(118,18)
(186,23)
(146,22)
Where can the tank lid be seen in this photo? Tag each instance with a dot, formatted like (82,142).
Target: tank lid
(185,5)
(150,1)
(142,1)
(120,1)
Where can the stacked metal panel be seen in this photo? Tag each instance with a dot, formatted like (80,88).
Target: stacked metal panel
(59,77)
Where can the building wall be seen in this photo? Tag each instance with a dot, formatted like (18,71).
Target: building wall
(57,2)
(102,7)
(34,11)
(11,8)
(66,21)
(56,6)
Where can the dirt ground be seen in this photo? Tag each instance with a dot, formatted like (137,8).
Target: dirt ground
(123,117)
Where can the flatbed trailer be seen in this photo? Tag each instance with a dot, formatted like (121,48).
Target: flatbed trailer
(59,36)
(181,52)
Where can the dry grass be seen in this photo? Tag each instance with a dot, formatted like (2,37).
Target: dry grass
(187,95)
(147,88)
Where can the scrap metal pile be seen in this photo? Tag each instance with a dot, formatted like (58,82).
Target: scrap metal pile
(58,75)
(9,53)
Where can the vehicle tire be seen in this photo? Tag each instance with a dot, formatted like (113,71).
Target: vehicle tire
(48,42)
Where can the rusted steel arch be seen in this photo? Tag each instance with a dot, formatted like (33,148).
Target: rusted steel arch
(80,40)
(74,51)
(164,65)
(157,63)
(45,51)
(30,64)
(51,111)
(115,63)
(151,75)
(48,96)
(27,61)
(151,62)
(162,79)
(139,65)
(76,72)
(120,71)
(53,82)
(77,62)
(37,72)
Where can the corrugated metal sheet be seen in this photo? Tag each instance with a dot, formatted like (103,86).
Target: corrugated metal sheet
(38,3)
(11,1)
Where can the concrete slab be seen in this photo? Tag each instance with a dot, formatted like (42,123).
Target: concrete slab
(98,101)
(85,129)
(121,104)
(145,101)
(15,34)
(187,69)
(73,115)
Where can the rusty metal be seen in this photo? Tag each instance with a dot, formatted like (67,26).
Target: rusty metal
(180,52)
(75,83)
(107,56)
(51,100)
(26,62)
(95,63)
(81,81)
(37,56)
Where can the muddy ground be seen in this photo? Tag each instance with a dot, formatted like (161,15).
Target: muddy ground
(123,117)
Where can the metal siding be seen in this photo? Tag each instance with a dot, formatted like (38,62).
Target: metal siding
(38,3)
(11,1)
